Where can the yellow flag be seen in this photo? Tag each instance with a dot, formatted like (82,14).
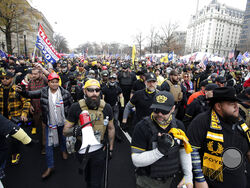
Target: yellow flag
(133,55)
(164,59)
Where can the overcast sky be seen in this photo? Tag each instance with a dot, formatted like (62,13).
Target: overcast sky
(117,20)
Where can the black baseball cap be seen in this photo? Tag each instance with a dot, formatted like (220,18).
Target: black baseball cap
(220,79)
(150,77)
(210,87)
(163,100)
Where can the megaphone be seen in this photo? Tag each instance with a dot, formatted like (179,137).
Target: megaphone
(89,141)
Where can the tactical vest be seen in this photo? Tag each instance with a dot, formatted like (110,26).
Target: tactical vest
(168,165)
(97,116)
(247,113)
(126,81)
(176,91)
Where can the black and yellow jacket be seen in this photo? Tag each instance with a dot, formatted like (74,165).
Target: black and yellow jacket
(17,105)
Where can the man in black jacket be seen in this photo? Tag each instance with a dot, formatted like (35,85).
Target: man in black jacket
(55,102)
(199,105)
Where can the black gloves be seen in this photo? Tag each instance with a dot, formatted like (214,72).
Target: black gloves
(164,143)
(124,127)
(77,131)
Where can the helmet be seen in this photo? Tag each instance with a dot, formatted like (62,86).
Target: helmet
(104,67)
(125,65)
(104,73)
(113,76)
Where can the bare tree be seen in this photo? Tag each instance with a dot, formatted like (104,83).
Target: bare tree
(61,44)
(153,40)
(16,16)
(167,36)
(139,39)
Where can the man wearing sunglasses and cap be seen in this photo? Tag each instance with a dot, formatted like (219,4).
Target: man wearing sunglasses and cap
(101,115)
(160,148)
(220,140)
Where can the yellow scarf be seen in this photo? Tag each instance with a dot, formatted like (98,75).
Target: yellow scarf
(178,133)
(212,158)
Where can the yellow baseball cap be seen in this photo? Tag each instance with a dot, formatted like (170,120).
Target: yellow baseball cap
(92,82)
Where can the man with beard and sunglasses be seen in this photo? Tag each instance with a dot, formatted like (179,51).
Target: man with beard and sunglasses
(160,148)
(220,140)
(99,112)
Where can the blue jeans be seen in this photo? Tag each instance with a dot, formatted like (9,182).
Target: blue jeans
(49,149)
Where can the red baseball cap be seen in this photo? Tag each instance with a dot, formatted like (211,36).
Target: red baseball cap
(52,76)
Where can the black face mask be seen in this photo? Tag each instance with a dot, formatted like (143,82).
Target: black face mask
(92,104)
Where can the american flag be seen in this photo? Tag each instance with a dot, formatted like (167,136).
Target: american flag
(193,57)
(81,58)
(203,62)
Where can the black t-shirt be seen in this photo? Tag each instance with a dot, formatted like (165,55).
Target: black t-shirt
(75,110)
(142,101)
(138,85)
(233,138)
(142,134)
(111,94)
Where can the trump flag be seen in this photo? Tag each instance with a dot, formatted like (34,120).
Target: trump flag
(43,43)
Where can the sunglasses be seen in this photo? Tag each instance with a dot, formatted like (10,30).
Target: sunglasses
(157,111)
(91,90)
(5,78)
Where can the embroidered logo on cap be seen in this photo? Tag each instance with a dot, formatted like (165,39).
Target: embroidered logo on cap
(161,99)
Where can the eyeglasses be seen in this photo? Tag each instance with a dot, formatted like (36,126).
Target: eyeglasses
(157,111)
(91,90)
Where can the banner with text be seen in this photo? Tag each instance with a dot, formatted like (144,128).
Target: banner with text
(43,43)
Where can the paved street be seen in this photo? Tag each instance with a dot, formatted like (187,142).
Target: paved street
(28,173)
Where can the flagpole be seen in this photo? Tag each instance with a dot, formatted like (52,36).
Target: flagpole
(33,57)
(34,51)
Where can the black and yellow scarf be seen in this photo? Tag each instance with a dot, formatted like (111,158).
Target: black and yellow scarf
(212,159)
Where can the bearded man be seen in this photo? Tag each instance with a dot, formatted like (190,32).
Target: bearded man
(99,113)
(220,139)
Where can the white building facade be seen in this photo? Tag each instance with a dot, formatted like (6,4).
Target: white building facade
(214,29)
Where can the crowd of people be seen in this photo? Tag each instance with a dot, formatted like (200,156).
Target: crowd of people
(187,123)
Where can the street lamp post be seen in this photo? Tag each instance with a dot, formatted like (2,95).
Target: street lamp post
(17,38)
(25,45)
